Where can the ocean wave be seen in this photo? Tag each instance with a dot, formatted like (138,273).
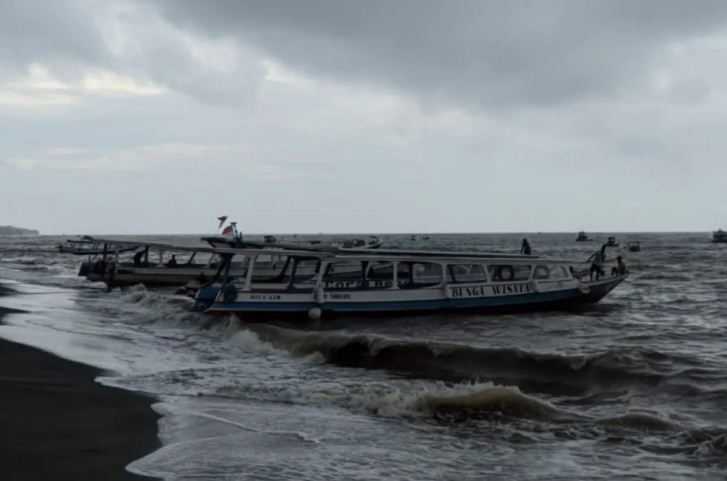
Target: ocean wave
(152,306)
(552,373)
(247,340)
(405,398)
(23,260)
(500,400)
(641,422)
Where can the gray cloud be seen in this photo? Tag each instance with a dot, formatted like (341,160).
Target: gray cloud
(49,32)
(478,53)
(376,116)
(71,38)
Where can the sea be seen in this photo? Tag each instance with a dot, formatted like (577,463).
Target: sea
(634,387)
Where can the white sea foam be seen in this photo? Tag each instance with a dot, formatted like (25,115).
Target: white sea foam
(250,342)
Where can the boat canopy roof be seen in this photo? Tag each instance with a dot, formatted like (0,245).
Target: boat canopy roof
(392,255)
(334,253)
(143,243)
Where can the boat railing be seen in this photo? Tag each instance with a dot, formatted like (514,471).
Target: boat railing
(347,273)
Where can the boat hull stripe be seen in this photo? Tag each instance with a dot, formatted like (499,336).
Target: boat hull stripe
(569,295)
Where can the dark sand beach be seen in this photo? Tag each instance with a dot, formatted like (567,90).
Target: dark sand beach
(59,424)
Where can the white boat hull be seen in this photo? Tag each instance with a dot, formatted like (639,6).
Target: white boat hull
(529,295)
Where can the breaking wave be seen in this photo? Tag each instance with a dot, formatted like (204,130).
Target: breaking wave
(551,373)
(508,401)
(153,306)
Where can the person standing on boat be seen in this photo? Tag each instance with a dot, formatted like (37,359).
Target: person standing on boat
(597,263)
(620,267)
(525,247)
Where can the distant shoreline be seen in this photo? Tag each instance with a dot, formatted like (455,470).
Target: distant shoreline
(313,234)
(8,230)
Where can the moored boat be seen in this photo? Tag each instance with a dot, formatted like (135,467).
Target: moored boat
(152,264)
(157,264)
(88,246)
(582,237)
(371,242)
(634,246)
(611,242)
(719,236)
(316,284)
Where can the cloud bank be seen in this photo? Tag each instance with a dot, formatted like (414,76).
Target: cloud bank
(343,116)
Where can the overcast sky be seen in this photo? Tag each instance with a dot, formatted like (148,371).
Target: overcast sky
(363,116)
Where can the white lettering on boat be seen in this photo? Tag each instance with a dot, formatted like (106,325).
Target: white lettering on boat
(337,296)
(264,297)
(484,290)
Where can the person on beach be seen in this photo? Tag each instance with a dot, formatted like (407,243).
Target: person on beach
(172,262)
(525,247)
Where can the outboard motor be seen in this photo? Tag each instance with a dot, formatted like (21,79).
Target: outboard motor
(85,268)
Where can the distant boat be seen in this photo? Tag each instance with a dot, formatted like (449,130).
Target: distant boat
(719,236)
(372,242)
(634,246)
(582,237)
(611,242)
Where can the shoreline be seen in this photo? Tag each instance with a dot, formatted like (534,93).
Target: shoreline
(59,423)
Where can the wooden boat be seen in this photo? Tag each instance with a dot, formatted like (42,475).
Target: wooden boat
(582,237)
(634,246)
(152,264)
(719,236)
(86,246)
(158,264)
(315,284)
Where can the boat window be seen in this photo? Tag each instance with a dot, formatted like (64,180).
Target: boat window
(541,272)
(509,272)
(419,274)
(343,275)
(239,263)
(380,275)
(276,269)
(272,259)
(558,272)
(305,269)
(464,273)
(403,274)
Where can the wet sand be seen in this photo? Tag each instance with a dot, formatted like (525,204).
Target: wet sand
(59,424)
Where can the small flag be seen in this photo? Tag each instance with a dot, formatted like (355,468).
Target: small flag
(222,220)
